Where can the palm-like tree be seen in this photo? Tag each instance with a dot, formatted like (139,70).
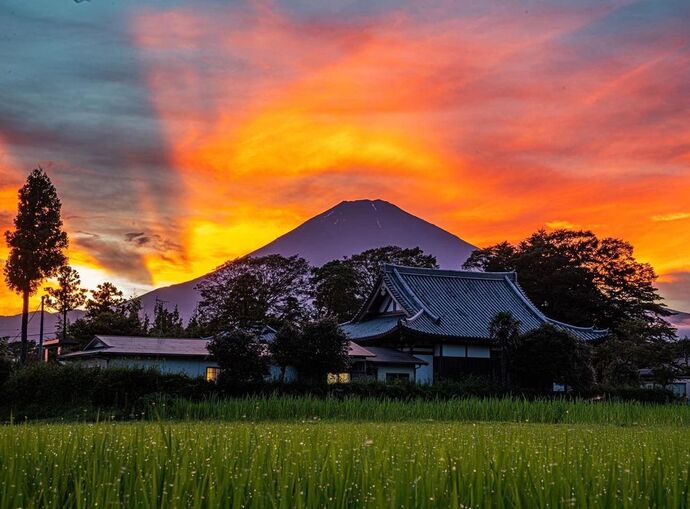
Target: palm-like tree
(504,330)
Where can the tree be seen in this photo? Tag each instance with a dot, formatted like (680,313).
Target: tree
(250,291)
(36,244)
(336,289)
(69,295)
(195,327)
(575,277)
(369,263)
(341,286)
(619,358)
(285,347)
(105,298)
(320,348)
(6,361)
(549,355)
(108,313)
(167,324)
(241,358)
(504,330)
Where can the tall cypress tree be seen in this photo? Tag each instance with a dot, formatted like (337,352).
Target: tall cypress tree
(36,244)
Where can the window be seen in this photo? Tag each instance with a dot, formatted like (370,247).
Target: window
(397,377)
(212,374)
(338,378)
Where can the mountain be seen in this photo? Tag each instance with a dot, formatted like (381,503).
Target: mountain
(348,228)
(355,226)
(10,326)
(680,321)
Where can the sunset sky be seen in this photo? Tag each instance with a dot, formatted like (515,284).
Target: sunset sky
(180,135)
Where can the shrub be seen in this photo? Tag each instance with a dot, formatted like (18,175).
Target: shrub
(44,390)
(241,357)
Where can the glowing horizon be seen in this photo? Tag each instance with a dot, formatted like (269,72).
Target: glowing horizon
(205,133)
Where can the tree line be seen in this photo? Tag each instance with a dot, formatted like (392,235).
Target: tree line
(572,276)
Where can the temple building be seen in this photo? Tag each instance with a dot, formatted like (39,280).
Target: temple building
(442,317)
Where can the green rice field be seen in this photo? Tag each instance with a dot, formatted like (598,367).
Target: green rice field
(340,462)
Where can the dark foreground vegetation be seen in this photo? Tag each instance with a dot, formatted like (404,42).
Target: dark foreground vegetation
(51,391)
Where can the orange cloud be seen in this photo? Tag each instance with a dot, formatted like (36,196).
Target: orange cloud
(490,123)
(432,114)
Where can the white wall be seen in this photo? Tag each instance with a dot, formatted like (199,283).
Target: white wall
(190,367)
(483,352)
(477,351)
(452,350)
(425,374)
(383,370)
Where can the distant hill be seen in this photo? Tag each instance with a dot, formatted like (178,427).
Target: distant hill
(348,228)
(681,321)
(10,326)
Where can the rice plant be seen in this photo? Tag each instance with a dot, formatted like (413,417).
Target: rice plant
(340,464)
(273,408)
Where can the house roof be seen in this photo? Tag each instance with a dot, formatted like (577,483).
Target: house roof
(391,356)
(354,350)
(452,303)
(190,347)
(135,345)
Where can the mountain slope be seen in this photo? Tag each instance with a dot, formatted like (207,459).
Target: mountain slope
(354,226)
(680,321)
(10,326)
(348,228)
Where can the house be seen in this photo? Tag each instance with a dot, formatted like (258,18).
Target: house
(380,364)
(417,325)
(442,317)
(679,385)
(190,356)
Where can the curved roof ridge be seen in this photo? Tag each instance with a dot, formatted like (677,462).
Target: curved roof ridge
(533,307)
(515,286)
(430,272)
(577,327)
(413,296)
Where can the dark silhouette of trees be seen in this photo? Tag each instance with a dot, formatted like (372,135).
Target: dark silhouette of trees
(340,287)
(284,347)
(249,291)
(319,348)
(36,243)
(108,313)
(369,263)
(166,323)
(577,278)
(337,289)
(6,360)
(549,355)
(241,357)
(504,331)
(68,295)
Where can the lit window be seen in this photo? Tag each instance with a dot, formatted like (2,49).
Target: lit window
(212,374)
(338,378)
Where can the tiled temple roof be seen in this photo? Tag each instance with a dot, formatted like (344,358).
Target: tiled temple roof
(452,303)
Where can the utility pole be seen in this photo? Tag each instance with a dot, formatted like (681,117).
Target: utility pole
(40,331)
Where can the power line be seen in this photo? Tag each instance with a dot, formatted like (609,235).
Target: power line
(46,335)
(27,324)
